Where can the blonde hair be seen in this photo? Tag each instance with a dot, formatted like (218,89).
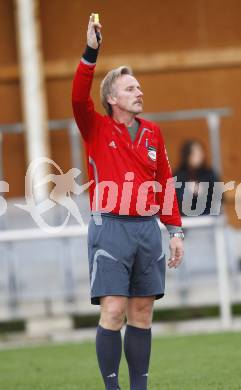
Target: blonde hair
(107,84)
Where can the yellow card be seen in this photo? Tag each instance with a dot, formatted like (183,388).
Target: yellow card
(96,18)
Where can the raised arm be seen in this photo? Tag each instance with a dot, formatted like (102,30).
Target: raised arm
(83,107)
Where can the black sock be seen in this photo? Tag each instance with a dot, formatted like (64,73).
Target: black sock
(108,350)
(137,346)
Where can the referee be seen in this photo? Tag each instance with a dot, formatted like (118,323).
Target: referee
(126,260)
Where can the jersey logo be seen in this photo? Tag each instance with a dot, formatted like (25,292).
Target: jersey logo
(112,144)
(151,153)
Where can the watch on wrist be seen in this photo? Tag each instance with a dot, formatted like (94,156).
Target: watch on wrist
(178,235)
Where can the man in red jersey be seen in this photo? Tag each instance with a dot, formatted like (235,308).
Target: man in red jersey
(132,183)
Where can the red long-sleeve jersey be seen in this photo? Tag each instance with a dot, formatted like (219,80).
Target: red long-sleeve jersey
(128,177)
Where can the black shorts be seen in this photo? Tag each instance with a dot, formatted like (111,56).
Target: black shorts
(126,257)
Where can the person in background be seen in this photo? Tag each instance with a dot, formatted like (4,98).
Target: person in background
(193,168)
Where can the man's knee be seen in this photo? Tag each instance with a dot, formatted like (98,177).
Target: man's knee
(139,312)
(112,312)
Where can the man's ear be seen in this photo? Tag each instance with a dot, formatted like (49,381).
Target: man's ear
(111,99)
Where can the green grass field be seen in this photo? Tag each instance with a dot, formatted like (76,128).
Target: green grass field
(197,362)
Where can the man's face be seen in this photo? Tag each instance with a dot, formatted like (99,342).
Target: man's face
(127,94)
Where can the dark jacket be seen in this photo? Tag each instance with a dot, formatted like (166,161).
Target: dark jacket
(199,175)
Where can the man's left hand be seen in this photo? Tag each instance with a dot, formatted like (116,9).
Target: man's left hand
(176,252)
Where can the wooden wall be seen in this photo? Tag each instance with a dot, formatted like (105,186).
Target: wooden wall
(175,29)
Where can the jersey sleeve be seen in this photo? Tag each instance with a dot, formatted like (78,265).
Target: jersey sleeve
(85,115)
(167,199)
